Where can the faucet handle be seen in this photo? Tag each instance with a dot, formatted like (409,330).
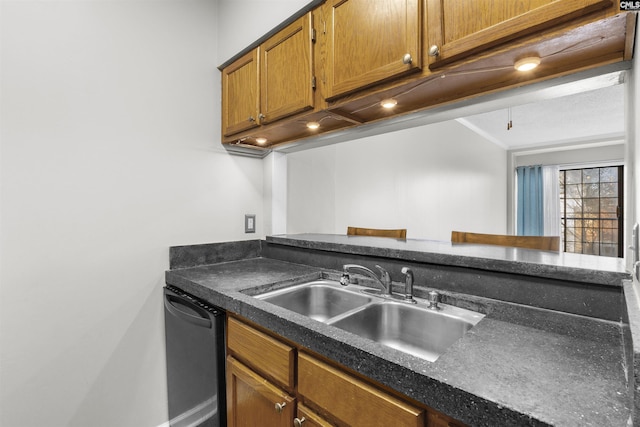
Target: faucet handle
(384,274)
(385,278)
(345,279)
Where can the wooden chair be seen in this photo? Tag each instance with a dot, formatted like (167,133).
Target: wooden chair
(545,243)
(400,233)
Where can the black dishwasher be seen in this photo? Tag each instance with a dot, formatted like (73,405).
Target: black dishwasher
(194,335)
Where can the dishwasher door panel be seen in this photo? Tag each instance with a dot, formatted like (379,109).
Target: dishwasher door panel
(195,361)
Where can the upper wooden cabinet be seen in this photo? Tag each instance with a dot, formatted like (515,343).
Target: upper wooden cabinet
(286,71)
(240,102)
(327,68)
(458,28)
(371,41)
(272,81)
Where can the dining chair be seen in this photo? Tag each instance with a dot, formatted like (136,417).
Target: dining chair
(400,233)
(545,243)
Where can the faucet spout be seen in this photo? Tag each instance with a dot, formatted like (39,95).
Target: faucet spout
(408,284)
(384,280)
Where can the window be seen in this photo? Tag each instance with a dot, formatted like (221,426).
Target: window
(591,210)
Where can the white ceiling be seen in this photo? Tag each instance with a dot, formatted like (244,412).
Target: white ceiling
(584,117)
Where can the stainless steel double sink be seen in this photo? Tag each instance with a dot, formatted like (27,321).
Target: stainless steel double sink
(411,328)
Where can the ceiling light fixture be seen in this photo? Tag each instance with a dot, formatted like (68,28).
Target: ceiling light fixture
(313,125)
(527,64)
(260,140)
(389,103)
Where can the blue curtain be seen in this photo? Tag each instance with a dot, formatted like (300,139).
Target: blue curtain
(530,201)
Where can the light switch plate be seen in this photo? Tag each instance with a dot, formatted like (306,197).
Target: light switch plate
(249,223)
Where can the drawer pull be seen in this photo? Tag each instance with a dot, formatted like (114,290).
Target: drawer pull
(280,407)
(297,422)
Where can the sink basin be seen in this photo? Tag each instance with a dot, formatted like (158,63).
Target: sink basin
(411,328)
(415,330)
(321,300)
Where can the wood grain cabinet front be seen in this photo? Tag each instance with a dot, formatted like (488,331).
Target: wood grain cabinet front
(459,28)
(350,400)
(273,81)
(240,102)
(370,42)
(286,72)
(438,420)
(262,352)
(308,418)
(254,401)
(272,383)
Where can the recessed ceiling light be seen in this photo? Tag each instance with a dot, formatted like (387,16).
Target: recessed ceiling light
(527,64)
(389,103)
(313,125)
(260,140)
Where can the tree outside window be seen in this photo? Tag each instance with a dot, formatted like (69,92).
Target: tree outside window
(591,210)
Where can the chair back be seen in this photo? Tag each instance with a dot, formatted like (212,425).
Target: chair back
(545,243)
(400,233)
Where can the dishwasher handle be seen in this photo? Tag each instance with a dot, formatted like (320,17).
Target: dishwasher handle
(172,303)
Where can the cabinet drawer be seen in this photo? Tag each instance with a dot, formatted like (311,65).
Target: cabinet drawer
(263,353)
(351,400)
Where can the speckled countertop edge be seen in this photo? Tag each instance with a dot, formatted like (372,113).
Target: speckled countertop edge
(445,385)
(563,266)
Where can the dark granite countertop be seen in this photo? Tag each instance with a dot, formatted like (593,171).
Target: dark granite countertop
(519,366)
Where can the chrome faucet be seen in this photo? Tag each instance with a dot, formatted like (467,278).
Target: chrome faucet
(384,280)
(408,284)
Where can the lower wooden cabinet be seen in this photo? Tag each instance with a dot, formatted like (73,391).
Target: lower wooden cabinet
(438,420)
(350,400)
(253,401)
(274,383)
(308,418)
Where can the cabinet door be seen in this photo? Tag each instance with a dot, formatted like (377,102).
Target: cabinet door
(240,100)
(252,400)
(307,418)
(369,40)
(286,72)
(458,28)
(435,419)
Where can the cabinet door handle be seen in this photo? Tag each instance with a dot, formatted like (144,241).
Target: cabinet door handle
(434,50)
(406,59)
(297,422)
(280,407)
(251,119)
(261,116)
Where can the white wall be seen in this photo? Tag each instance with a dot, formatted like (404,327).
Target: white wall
(430,180)
(109,155)
(581,155)
(245,21)
(632,105)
